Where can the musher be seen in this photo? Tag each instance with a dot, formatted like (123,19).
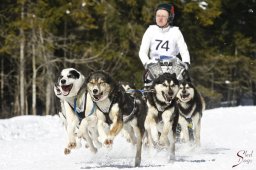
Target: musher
(161,43)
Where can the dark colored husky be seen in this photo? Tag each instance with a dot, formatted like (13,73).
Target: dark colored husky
(191,106)
(162,116)
(113,103)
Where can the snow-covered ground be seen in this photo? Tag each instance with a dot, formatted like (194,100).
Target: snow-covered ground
(37,143)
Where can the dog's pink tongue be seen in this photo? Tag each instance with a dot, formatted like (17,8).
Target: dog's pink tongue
(97,97)
(65,88)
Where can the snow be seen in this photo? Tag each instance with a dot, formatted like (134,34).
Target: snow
(37,143)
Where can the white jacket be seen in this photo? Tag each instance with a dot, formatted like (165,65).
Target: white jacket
(167,41)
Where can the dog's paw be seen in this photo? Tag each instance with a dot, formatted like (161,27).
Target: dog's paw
(72,145)
(108,142)
(67,151)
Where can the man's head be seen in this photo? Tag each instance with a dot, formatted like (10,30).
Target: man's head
(164,14)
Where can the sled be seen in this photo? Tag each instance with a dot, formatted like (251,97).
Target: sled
(167,65)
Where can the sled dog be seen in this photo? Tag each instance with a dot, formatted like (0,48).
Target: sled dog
(190,105)
(116,109)
(162,116)
(76,106)
(127,130)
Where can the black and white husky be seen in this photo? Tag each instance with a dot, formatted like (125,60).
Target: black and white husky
(76,107)
(116,109)
(162,116)
(190,106)
(136,95)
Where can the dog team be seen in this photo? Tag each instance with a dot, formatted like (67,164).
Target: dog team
(96,108)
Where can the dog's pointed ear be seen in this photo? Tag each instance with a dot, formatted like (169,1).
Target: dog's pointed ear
(88,77)
(186,76)
(174,75)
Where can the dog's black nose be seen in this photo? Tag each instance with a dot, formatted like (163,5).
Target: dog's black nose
(95,91)
(170,93)
(63,81)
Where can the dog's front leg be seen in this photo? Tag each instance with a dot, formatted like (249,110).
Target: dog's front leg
(197,129)
(151,125)
(92,128)
(163,141)
(83,132)
(71,138)
(101,130)
(172,137)
(128,133)
(139,133)
(116,126)
(72,121)
(184,129)
(167,127)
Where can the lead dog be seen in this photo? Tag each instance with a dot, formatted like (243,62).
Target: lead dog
(191,106)
(112,104)
(162,116)
(76,107)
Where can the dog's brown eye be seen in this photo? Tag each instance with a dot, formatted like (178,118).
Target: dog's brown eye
(165,85)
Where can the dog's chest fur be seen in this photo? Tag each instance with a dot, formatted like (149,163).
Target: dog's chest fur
(104,105)
(187,109)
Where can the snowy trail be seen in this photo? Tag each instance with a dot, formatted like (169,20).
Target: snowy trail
(34,142)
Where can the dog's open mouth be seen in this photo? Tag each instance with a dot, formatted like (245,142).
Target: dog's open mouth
(167,97)
(66,89)
(184,96)
(97,97)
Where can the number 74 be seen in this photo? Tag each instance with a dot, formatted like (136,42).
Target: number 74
(164,45)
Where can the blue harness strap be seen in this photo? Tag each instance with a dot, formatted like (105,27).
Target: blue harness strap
(93,109)
(81,115)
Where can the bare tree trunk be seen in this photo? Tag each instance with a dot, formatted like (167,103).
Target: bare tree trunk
(254,92)
(34,69)
(2,86)
(34,81)
(49,92)
(49,76)
(16,106)
(22,66)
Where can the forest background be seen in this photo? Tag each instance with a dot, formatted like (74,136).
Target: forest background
(38,38)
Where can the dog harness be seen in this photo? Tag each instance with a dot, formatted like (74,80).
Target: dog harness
(131,115)
(80,111)
(105,110)
(188,118)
